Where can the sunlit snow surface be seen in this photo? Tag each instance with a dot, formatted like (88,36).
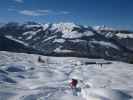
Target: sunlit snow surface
(22,77)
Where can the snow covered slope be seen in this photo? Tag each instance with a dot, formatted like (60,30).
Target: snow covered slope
(69,39)
(22,77)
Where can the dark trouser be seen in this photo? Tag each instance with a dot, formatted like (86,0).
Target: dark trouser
(74,91)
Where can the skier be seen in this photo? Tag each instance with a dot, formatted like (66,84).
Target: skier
(73,85)
(40,60)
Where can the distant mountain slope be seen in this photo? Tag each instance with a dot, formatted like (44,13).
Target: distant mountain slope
(69,39)
(14,46)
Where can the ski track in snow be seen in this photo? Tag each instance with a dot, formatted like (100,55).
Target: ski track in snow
(50,80)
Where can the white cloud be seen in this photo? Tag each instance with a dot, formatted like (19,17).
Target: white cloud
(34,12)
(11,9)
(65,12)
(44,11)
(19,1)
(39,12)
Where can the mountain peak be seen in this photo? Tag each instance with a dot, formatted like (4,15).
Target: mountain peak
(103,27)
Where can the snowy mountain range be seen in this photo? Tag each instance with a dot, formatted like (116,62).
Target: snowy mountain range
(67,39)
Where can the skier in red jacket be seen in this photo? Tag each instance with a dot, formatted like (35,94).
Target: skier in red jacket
(73,85)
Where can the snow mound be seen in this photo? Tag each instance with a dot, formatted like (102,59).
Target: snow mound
(70,97)
(4,78)
(15,68)
(104,94)
(3,72)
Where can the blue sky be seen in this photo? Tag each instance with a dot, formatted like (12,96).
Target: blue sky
(112,13)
